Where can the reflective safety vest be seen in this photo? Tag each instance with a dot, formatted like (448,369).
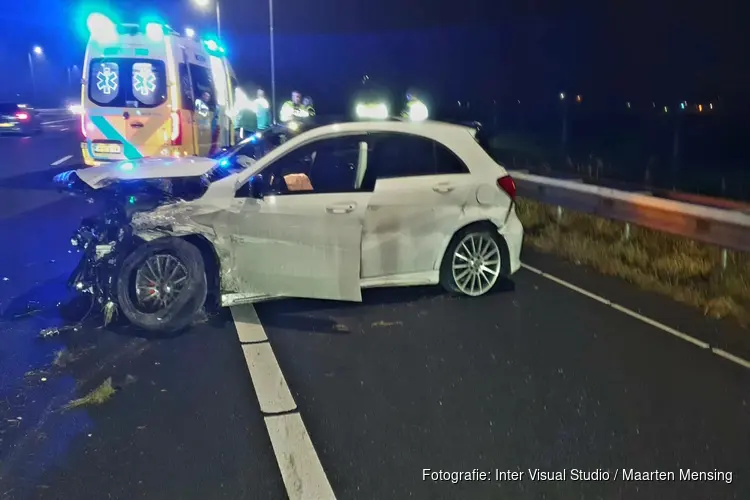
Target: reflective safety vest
(290,111)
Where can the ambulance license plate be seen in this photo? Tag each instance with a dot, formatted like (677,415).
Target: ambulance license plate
(114,149)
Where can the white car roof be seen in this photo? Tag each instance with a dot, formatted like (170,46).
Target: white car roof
(440,131)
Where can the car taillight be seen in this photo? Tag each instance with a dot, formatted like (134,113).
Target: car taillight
(506,184)
(22,116)
(176,139)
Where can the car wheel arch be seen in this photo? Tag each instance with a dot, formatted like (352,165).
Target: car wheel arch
(477,224)
(212,263)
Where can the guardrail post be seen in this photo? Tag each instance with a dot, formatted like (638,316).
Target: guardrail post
(559,213)
(723,259)
(627,231)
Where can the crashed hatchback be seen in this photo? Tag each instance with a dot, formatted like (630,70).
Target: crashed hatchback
(327,213)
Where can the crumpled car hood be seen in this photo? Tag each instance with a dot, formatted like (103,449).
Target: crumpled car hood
(146,168)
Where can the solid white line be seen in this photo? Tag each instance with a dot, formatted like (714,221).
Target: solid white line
(295,455)
(640,317)
(62,160)
(301,470)
(248,325)
(731,357)
(270,387)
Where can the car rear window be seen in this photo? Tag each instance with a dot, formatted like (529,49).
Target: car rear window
(127,82)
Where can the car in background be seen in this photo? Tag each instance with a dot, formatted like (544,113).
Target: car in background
(322,215)
(19,119)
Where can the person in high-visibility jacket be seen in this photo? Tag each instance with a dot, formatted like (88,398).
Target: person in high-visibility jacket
(262,111)
(415,110)
(293,109)
(307,104)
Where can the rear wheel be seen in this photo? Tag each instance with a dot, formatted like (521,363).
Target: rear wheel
(473,262)
(162,285)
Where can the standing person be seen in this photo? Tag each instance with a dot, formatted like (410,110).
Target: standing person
(292,109)
(262,111)
(243,114)
(307,105)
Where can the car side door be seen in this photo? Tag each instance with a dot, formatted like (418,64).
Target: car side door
(299,232)
(420,187)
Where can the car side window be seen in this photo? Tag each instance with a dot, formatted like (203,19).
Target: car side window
(324,166)
(406,155)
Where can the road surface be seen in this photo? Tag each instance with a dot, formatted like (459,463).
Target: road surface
(312,399)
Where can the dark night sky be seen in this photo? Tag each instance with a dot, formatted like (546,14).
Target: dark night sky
(637,49)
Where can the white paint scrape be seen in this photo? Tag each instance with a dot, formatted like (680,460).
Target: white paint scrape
(300,466)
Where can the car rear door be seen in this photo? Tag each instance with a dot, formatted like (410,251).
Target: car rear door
(148,127)
(105,113)
(303,238)
(420,189)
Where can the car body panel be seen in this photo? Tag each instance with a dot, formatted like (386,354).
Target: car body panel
(146,168)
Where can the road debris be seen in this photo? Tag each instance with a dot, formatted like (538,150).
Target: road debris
(385,323)
(98,396)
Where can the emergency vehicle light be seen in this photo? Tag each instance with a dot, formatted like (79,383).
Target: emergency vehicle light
(155,32)
(101,28)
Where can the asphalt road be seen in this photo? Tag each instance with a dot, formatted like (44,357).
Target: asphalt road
(537,376)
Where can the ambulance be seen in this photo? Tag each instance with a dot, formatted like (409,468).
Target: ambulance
(149,91)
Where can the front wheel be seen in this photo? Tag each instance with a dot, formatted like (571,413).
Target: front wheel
(162,285)
(473,262)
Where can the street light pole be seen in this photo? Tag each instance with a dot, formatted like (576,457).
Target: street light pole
(218,20)
(33,78)
(273,61)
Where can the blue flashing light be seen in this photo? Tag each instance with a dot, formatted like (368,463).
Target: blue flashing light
(682,105)
(127,166)
(155,32)
(131,200)
(224,162)
(211,45)
(101,28)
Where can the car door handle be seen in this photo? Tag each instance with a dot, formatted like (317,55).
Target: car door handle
(442,188)
(341,209)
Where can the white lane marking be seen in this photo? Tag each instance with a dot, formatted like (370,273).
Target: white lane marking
(58,121)
(661,326)
(62,160)
(301,470)
(248,325)
(270,387)
(294,453)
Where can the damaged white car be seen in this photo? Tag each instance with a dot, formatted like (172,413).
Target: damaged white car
(334,210)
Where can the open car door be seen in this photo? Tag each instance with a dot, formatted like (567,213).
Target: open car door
(303,237)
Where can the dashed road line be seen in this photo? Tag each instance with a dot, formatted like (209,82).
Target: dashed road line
(53,122)
(299,464)
(661,326)
(61,160)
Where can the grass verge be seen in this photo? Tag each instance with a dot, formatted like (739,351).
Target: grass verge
(685,270)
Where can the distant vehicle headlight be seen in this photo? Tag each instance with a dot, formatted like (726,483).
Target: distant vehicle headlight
(75,109)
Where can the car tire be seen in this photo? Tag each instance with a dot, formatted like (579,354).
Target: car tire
(494,259)
(180,313)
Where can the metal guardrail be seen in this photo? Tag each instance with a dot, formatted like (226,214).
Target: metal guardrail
(728,229)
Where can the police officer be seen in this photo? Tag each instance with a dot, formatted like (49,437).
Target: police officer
(307,104)
(415,110)
(293,110)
